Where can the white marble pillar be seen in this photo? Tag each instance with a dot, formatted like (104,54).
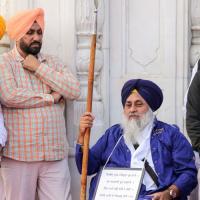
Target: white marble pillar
(85,23)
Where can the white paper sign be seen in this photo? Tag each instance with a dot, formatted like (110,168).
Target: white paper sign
(119,183)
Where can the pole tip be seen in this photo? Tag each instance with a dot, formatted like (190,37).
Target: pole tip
(96,2)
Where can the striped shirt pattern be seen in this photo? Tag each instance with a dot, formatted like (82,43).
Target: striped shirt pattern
(35,125)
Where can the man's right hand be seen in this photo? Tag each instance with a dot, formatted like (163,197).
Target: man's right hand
(56,96)
(86,121)
(31,63)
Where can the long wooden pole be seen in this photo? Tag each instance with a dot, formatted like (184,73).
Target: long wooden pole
(89,109)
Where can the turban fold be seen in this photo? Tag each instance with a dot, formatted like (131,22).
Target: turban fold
(2,26)
(19,24)
(150,92)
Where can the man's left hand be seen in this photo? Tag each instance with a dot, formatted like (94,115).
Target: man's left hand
(31,63)
(164,195)
(56,96)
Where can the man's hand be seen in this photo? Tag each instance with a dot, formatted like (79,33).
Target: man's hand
(164,195)
(86,121)
(56,96)
(31,63)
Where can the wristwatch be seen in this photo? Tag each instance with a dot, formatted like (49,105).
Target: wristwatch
(172,193)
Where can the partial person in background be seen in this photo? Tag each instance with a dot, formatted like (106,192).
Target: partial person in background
(193,118)
(33,89)
(3,139)
(194,71)
(3,132)
(170,171)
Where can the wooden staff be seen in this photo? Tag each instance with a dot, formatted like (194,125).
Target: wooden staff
(89,109)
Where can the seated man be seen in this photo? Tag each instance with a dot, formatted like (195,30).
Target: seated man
(165,148)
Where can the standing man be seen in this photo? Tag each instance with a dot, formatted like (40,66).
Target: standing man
(3,132)
(33,87)
(3,138)
(193,118)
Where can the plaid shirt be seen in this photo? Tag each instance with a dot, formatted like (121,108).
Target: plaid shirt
(35,125)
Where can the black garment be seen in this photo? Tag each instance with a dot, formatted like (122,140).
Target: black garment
(198,65)
(193,111)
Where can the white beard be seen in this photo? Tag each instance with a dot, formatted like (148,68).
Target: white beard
(133,127)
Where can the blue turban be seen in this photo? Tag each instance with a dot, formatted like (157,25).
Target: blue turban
(150,92)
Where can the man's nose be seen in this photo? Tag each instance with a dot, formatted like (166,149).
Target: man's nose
(36,37)
(133,108)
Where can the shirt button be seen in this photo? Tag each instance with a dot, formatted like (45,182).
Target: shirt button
(155,162)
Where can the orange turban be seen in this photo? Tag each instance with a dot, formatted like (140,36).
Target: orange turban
(20,23)
(2,26)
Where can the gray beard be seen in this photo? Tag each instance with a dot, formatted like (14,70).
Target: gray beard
(132,128)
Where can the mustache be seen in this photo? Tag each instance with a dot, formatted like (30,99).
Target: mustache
(134,115)
(35,42)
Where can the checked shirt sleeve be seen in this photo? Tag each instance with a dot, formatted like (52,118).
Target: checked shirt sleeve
(12,95)
(56,75)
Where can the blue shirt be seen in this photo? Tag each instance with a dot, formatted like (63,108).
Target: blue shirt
(172,157)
